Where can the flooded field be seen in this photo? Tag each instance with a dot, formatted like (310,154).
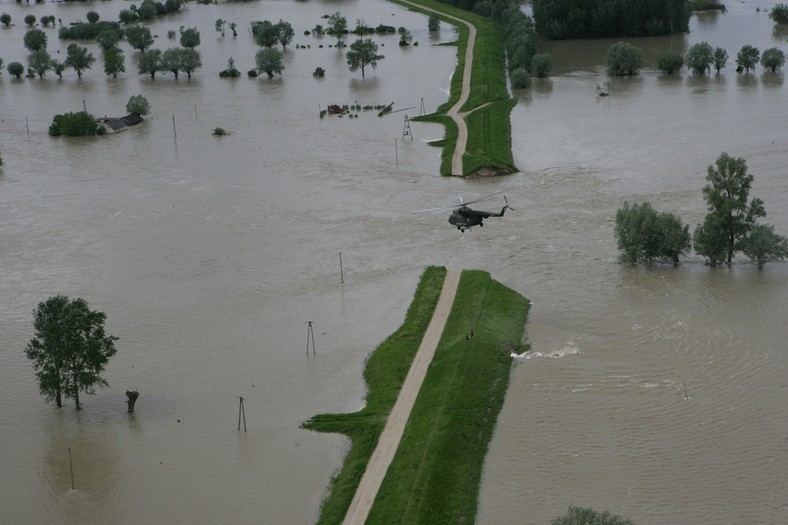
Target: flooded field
(658,394)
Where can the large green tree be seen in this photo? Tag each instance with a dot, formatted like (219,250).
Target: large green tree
(69,349)
(189,61)
(79,58)
(731,214)
(363,53)
(265,33)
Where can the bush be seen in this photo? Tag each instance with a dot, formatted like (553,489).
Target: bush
(5,19)
(219,132)
(30,20)
(670,62)
(78,124)
(624,59)
(92,17)
(433,22)
(319,72)
(541,65)
(519,78)
(231,71)
(252,73)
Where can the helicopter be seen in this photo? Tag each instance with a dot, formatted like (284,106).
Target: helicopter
(463,217)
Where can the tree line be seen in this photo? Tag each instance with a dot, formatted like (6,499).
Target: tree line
(730,226)
(560,19)
(624,59)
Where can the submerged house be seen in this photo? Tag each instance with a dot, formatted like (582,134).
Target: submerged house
(115,125)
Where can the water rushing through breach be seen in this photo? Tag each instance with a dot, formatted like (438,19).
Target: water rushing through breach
(658,393)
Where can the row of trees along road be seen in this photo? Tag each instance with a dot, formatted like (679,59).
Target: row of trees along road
(645,235)
(69,348)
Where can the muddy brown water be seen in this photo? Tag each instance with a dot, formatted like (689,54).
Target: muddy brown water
(658,394)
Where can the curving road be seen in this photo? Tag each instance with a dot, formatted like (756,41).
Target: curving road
(395,424)
(454,111)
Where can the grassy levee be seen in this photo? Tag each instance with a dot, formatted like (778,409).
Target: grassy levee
(436,472)
(489,132)
(384,374)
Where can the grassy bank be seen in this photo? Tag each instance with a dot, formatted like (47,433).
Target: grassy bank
(436,472)
(489,127)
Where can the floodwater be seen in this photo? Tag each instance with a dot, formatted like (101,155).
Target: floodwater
(658,393)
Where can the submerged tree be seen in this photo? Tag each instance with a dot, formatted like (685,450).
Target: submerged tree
(747,58)
(337,26)
(670,62)
(624,59)
(731,215)
(138,104)
(763,245)
(363,53)
(114,62)
(644,235)
(720,59)
(773,59)
(699,58)
(69,348)
(79,58)
(269,61)
(150,63)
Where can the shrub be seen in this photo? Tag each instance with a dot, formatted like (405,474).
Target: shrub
(252,73)
(519,78)
(85,31)
(78,124)
(433,22)
(319,72)
(5,19)
(219,132)
(231,71)
(92,17)
(30,20)
(670,62)
(644,235)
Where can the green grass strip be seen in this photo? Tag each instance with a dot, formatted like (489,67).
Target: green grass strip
(436,472)
(491,135)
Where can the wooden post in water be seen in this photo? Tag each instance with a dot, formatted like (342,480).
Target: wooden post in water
(310,335)
(396,154)
(241,413)
(341,272)
(71,466)
(84,106)
(27,125)
(174,133)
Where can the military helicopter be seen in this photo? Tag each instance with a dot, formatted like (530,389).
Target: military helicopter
(463,217)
